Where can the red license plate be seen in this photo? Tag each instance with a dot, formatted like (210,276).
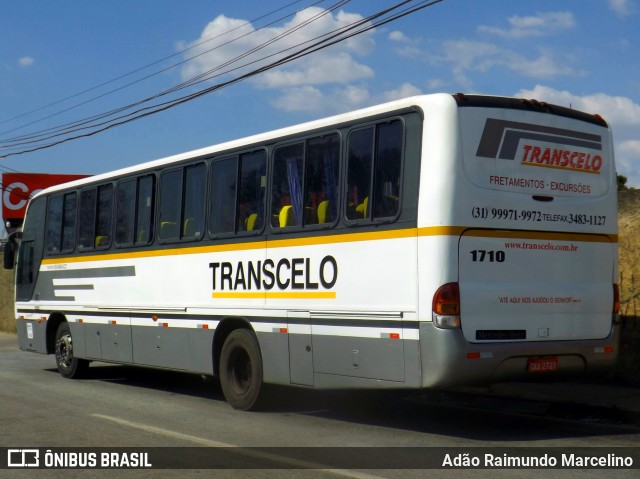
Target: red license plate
(542,365)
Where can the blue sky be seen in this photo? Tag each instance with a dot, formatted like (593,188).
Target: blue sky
(585,54)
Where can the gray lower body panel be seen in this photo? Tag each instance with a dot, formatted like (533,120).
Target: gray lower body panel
(449,360)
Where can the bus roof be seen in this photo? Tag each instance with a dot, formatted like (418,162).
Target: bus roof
(420,101)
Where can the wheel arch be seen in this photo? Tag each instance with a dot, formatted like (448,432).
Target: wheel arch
(53,323)
(224,329)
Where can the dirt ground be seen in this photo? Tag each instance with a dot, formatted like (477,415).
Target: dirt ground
(629,251)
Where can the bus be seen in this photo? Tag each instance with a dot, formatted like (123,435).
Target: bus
(430,242)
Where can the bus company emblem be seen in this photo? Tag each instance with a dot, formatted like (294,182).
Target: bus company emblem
(511,140)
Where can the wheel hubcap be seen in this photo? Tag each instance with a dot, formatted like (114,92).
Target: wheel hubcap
(240,371)
(64,351)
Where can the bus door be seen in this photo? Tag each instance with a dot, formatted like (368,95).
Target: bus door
(30,251)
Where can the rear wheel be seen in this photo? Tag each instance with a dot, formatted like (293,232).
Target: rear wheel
(241,369)
(68,365)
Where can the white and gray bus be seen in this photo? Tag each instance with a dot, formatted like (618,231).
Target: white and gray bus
(434,241)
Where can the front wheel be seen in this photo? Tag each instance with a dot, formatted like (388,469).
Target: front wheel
(68,365)
(241,369)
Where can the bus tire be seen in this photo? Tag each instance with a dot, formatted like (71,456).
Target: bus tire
(68,366)
(241,369)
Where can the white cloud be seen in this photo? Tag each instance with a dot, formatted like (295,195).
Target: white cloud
(467,56)
(404,91)
(435,84)
(308,98)
(398,36)
(622,8)
(332,65)
(340,68)
(622,113)
(26,62)
(542,24)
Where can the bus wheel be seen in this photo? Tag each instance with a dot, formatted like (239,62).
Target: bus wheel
(241,369)
(68,365)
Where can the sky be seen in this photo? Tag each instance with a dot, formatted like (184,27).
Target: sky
(68,60)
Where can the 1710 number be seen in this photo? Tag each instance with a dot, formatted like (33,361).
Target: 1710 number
(480,255)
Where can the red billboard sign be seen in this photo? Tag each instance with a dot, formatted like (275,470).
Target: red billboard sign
(18,188)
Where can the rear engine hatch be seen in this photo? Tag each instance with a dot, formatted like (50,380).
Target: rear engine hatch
(535,286)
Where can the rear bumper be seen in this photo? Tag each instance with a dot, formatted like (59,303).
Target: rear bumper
(449,360)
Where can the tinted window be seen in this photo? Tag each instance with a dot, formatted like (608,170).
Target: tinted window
(145,202)
(69,222)
(182,200)
(321,183)
(374,170)
(223,196)
(250,210)
(54,223)
(194,200)
(125,211)
(286,203)
(387,171)
(87,218)
(61,223)
(170,203)
(103,216)
(237,193)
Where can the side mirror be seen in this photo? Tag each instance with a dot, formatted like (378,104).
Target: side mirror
(9,254)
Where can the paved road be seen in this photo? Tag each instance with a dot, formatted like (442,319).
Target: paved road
(129,407)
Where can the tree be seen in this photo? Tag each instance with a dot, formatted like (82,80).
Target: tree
(622,183)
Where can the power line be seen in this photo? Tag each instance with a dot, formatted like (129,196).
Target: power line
(78,124)
(355,28)
(156,62)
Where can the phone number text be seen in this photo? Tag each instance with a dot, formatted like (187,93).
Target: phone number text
(480,212)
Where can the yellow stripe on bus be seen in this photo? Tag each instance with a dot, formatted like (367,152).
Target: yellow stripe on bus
(274,295)
(340,238)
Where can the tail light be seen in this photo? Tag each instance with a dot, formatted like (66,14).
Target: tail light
(616,299)
(446,306)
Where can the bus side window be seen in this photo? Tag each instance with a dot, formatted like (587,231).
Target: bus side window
(250,209)
(182,199)
(286,202)
(134,211)
(387,170)
(223,196)
(321,186)
(125,212)
(103,217)
(54,224)
(144,211)
(374,170)
(192,223)
(170,204)
(359,171)
(87,220)
(61,223)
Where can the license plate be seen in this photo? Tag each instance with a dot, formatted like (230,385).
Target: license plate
(542,365)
